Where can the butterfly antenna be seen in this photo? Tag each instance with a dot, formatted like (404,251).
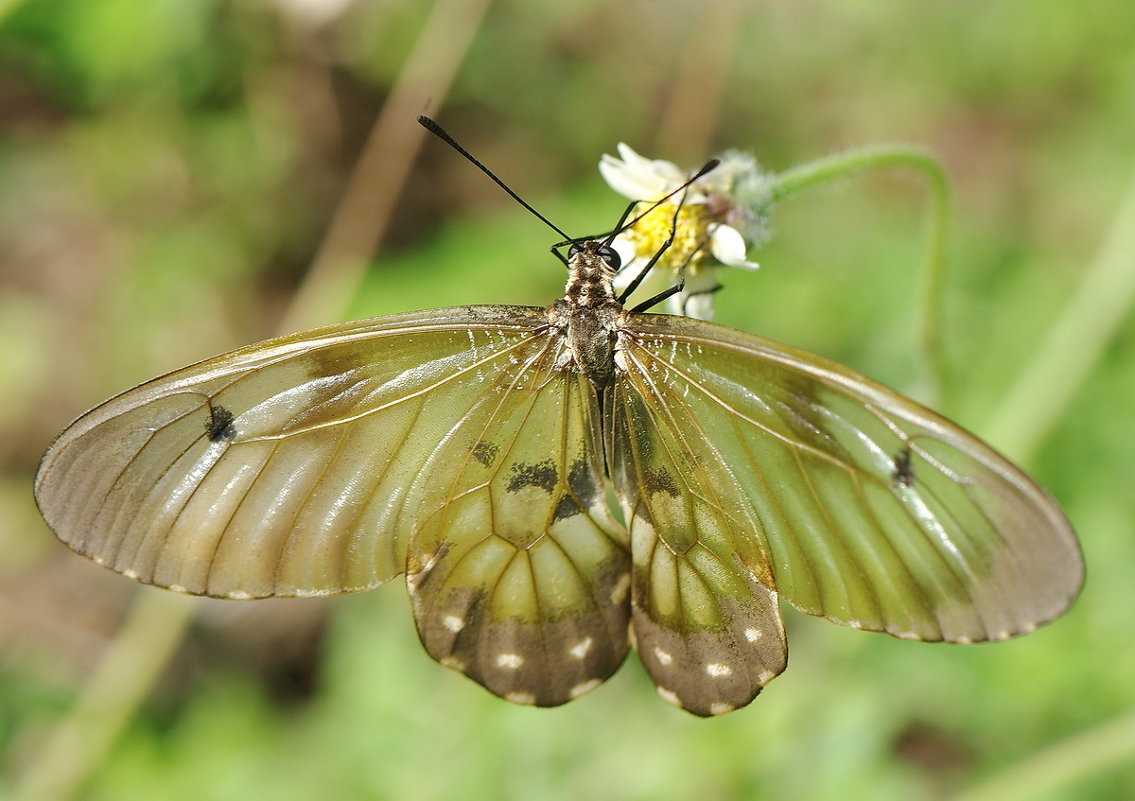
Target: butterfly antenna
(432,126)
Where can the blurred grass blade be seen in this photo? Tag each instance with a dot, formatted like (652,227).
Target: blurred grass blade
(1074,343)
(124,677)
(376,183)
(157,621)
(7,7)
(1045,774)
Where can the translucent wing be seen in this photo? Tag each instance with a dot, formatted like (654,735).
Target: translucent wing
(282,468)
(329,461)
(739,460)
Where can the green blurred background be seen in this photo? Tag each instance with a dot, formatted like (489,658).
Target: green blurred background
(170,169)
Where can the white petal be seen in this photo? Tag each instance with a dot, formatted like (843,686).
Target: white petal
(666,171)
(631,175)
(657,280)
(675,304)
(639,178)
(632,159)
(622,180)
(696,298)
(700,280)
(728,247)
(624,276)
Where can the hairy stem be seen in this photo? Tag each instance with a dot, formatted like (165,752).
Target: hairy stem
(929,302)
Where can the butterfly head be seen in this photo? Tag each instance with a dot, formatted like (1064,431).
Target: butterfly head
(591,274)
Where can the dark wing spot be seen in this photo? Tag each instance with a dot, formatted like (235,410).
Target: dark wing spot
(658,480)
(903,473)
(220,424)
(567,507)
(580,480)
(486,452)
(542,475)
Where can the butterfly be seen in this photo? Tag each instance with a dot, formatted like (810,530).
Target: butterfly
(474,450)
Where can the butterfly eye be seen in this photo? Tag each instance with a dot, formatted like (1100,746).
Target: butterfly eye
(610,257)
(573,251)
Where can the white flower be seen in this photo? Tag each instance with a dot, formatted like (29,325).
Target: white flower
(722,215)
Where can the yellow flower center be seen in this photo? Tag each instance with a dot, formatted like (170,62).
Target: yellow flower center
(690,238)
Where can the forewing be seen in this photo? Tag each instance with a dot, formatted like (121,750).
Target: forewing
(517,572)
(282,468)
(863,506)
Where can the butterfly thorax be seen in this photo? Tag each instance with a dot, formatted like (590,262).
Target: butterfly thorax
(588,314)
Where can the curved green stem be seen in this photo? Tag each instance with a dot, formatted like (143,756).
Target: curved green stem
(929,317)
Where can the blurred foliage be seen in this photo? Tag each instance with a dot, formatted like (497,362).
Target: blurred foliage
(169,167)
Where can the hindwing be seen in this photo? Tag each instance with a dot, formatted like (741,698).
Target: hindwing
(518,574)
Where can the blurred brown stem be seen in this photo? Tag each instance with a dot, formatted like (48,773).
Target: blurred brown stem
(364,211)
(156,623)
(694,105)
(125,676)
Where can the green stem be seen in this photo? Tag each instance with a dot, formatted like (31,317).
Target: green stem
(842,165)
(1074,343)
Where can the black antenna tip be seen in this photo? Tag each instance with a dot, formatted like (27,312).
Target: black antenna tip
(710,166)
(432,126)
